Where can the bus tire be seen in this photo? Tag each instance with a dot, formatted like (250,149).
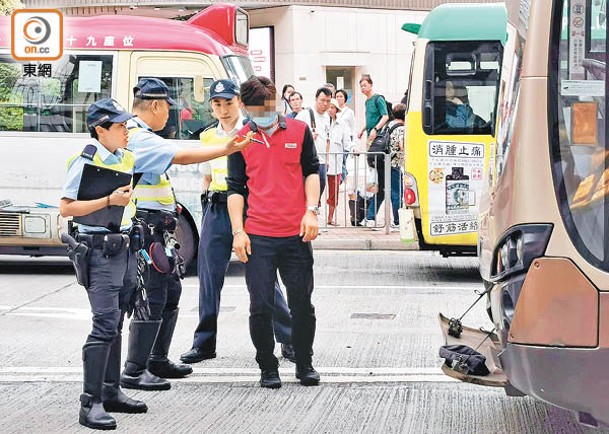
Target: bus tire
(188,237)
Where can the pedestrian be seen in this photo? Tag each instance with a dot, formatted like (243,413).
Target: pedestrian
(318,121)
(109,276)
(396,149)
(339,141)
(285,98)
(216,240)
(296,104)
(281,177)
(157,207)
(331,87)
(376,118)
(346,116)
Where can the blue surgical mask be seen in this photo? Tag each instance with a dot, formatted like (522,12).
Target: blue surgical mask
(265,121)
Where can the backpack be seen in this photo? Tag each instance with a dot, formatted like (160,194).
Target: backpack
(389,107)
(380,144)
(312,119)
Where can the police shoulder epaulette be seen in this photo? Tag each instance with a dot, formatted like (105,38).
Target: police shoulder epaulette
(89,152)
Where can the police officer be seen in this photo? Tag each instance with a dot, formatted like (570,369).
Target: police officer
(109,268)
(157,207)
(216,239)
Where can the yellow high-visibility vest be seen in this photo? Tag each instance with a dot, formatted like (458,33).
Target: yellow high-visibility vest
(126,165)
(160,191)
(219,166)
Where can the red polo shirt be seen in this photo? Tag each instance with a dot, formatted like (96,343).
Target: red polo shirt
(274,175)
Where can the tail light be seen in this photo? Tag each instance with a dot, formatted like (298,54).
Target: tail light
(409,196)
(410,190)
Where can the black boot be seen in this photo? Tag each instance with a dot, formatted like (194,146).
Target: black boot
(113,397)
(158,363)
(135,376)
(307,375)
(92,413)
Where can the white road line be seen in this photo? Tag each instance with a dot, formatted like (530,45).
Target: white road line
(330,370)
(426,287)
(241,375)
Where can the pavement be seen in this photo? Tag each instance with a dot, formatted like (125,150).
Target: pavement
(351,238)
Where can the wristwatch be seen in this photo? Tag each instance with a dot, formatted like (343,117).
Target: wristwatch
(314,209)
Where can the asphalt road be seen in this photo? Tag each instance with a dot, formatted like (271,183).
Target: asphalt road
(376,348)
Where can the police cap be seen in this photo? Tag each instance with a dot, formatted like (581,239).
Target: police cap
(152,88)
(106,110)
(223,89)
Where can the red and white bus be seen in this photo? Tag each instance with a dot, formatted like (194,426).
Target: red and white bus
(42,114)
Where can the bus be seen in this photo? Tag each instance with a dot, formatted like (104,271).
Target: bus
(450,121)
(43,109)
(545,234)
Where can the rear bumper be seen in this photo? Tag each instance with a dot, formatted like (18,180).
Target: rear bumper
(572,378)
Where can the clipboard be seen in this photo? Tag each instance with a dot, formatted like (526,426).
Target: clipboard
(97,182)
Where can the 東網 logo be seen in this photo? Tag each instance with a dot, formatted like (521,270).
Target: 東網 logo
(36,34)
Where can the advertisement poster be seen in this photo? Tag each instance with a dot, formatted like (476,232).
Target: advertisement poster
(456,172)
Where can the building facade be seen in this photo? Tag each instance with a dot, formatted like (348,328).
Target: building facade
(307,43)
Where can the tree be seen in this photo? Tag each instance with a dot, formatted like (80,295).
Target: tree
(8,6)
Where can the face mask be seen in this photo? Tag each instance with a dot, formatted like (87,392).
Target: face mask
(264,121)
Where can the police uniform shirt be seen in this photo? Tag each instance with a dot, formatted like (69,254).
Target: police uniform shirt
(153,156)
(74,175)
(218,167)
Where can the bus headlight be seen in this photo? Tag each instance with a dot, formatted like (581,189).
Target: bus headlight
(37,226)
(517,248)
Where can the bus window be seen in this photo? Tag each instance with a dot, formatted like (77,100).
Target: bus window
(579,145)
(189,117)
(462,80)
(52,101)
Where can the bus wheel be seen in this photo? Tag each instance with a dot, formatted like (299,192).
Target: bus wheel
(187,237)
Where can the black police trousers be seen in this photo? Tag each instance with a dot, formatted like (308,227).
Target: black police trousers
(112,283)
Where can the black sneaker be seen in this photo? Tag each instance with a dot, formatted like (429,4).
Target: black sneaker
(196,355)
(269,378)
(307,375)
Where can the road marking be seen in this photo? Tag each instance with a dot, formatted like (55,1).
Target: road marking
(422,288)
(235,375)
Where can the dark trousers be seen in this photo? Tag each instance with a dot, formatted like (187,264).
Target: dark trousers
(163,289)
(294,260)
(396,192)
(112,282)
(215,247)
(377,200)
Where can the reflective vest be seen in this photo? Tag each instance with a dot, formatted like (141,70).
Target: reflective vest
(219,166)
(126,165)
(160,192)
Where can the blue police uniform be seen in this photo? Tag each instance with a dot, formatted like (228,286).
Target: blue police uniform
(156,206)
(111,279)
(215,247)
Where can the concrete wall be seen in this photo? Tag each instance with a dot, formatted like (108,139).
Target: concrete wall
(309,39)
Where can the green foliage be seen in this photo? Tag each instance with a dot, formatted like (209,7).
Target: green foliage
(11,111)
(8,6)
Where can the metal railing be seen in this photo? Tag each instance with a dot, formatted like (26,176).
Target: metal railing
(359,194)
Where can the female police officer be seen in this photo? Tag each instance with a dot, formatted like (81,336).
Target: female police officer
(112,264)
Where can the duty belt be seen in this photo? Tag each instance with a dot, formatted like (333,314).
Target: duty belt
(153,214)
(214,197)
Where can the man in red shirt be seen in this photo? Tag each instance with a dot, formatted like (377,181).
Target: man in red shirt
(280,177)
